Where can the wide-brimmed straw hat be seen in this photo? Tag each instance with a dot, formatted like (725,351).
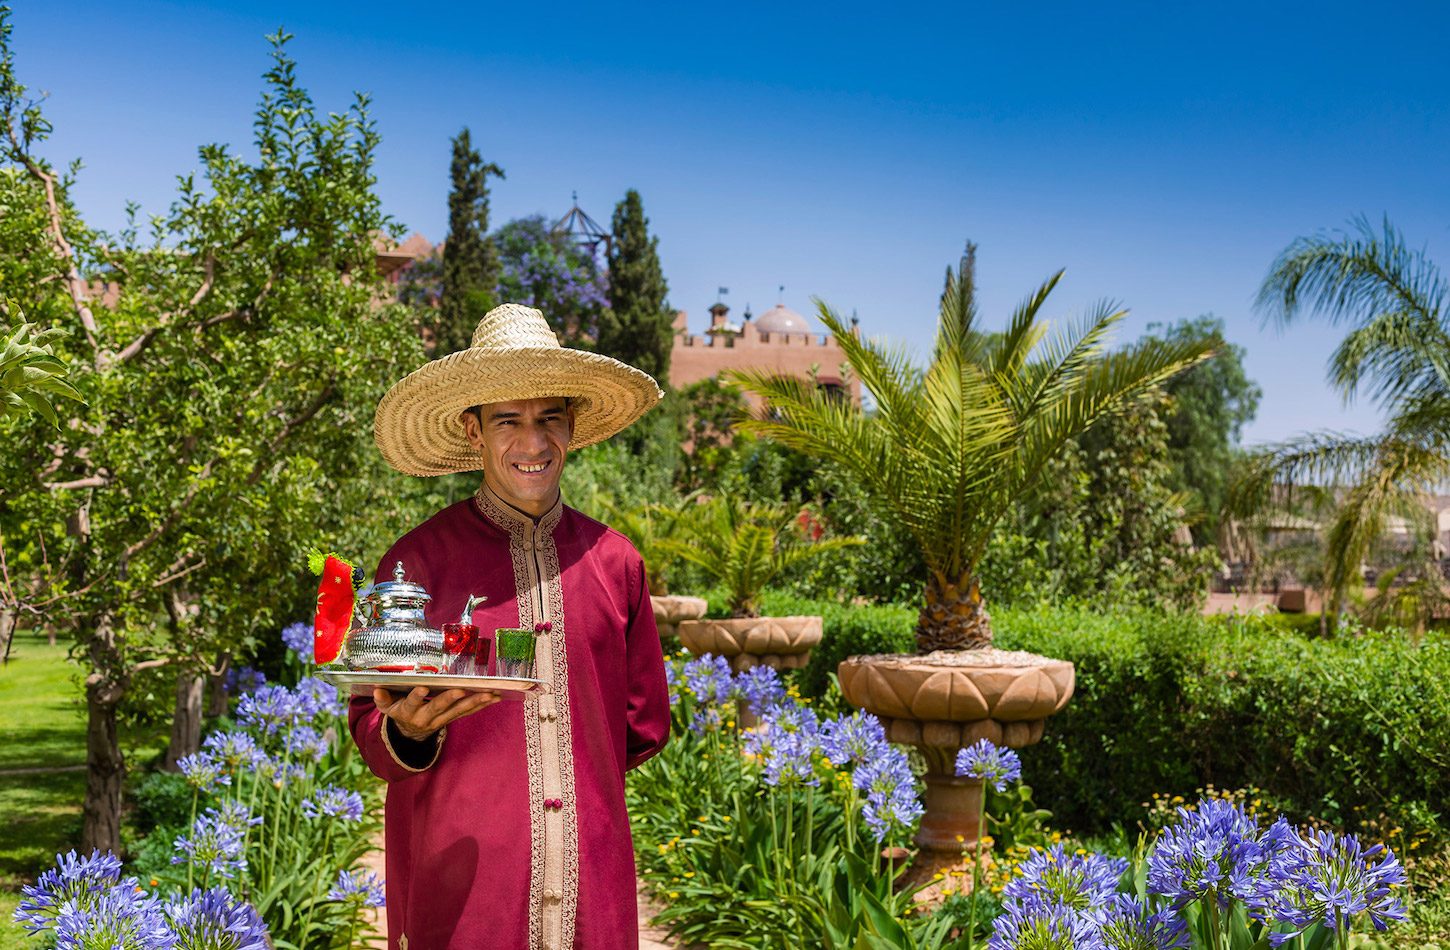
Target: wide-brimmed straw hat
(514,355)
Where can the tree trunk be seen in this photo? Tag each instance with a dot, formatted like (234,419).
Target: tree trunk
(217,702)
(105,770)
(186,721)
(954,616)
(9,621)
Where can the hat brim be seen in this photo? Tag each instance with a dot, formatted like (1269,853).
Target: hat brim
(417,425)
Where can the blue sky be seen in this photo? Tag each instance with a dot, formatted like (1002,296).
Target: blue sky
(1162,153)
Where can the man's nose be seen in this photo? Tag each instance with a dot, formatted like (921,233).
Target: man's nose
(536,439)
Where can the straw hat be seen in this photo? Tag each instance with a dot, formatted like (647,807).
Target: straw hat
(514,355)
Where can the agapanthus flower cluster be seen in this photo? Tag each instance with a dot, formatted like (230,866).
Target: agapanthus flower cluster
(236,750)
(853,739)
(317,697)
(993,764)
(1197,856)
(890,788)
(216,842)
(1214,854)
(74,881)
(760,688)
(270,710)
(203,771)
(1330,879)
(710,681)
(1044,926)
(299,639)
(1126,923)
(213,920)
(334,802)
(360,887)
(242,680)
(1055,876)
(305,742)
(787,741)
(122,918)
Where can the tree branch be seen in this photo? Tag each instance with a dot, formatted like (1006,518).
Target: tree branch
(92,481)
(56,225)
(137,346)
(292,425)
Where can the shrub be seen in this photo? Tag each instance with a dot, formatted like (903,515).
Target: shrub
(1334,729)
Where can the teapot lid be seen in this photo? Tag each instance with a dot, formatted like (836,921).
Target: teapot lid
(398,587)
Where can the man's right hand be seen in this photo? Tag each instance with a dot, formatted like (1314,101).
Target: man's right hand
(419,716)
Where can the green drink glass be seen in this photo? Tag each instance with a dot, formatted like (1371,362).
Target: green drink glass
(514,652)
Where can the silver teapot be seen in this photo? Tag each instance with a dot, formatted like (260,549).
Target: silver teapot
(389,632)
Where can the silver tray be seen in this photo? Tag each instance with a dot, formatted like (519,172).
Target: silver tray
(362,681)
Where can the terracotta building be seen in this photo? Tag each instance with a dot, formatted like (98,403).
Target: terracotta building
(779,339)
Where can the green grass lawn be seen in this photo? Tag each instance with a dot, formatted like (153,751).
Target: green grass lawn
(42,726)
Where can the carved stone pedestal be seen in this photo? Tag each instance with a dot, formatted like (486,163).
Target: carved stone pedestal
(670,610)
(781,643)
(944,701)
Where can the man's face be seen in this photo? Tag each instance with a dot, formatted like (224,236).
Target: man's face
(523,444)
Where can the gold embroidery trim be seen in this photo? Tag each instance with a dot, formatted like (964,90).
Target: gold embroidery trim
(437,749)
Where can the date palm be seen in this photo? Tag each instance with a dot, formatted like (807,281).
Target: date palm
(1398,351)
(950,448)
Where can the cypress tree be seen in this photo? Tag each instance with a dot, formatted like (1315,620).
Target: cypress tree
(470,261)
(638,327)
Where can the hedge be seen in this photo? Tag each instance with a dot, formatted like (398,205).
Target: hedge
(1329,728)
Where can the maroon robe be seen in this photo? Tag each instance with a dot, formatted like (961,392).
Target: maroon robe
(515,834)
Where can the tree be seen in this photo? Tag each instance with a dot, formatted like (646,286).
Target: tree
(638,327)
(1398,348)
(951,447)
(470,260)
(229,373)
(1210,405)
(544,269)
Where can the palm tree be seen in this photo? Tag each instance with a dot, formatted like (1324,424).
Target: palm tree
(949,449)
(1398,350)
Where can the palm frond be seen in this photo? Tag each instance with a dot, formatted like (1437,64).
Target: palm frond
(1400,352)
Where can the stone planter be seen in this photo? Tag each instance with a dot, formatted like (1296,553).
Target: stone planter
(782,643)
(670,610)
(944,701)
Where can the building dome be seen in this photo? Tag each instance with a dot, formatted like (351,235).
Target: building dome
(782,319)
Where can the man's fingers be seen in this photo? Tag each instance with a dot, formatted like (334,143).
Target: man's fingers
(422,713)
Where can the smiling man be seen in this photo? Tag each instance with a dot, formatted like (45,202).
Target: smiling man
(505,823)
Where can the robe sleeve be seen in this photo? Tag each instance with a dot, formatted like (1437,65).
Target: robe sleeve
(390,755)
(648,716)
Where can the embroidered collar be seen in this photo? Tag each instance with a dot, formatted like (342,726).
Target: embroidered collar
(506,516)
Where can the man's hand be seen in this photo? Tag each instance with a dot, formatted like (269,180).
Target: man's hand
(418,716)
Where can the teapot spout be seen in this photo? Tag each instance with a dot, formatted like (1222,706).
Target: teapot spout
(468,607)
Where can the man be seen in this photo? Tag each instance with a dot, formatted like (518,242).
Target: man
(505,821)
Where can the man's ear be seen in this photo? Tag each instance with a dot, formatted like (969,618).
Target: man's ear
(472,427)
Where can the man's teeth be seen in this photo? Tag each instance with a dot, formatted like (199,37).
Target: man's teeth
(531,469)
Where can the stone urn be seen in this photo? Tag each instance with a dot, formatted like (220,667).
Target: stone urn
(944,701)
(671,609)
(782,643)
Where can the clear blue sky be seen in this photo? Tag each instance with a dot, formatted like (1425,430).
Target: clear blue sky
(1163,155)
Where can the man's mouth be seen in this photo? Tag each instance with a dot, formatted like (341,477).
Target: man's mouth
(531,468)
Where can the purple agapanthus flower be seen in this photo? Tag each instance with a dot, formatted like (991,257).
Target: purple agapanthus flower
(243,680)
(214,920)
(991,763)
(74,879)
(786,741)
(852,739)
(1197,856)
(1332,880)
(299,639)
(760,687)
(236,750)
(316,697)
(334,802)
(1079,881)
(890,792)
(270,710)
(216,842)
(361,887)
(1125,923)
(1044,926)
(121,918)
(203,771)
(235,813)
(710,680)
(305,742)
